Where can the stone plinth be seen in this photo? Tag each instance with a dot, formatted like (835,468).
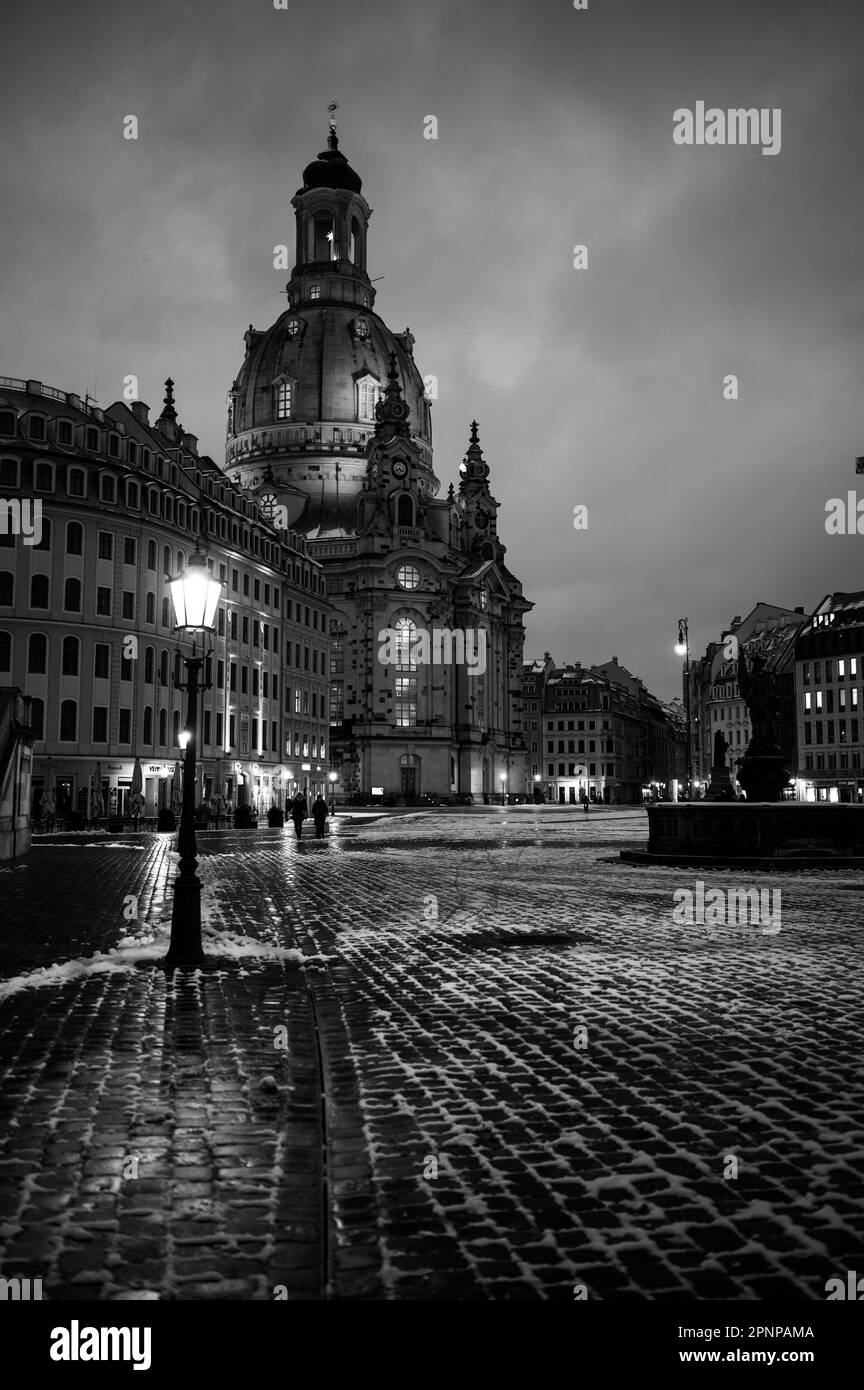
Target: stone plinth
(772,834)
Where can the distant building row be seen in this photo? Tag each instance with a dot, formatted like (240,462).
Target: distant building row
(596,733)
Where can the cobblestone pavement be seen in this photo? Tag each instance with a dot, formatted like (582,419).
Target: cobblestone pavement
(501,1070)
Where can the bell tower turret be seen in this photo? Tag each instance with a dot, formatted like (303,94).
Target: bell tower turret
(332,222)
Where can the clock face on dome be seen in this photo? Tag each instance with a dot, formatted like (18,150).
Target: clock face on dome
(398,410)
(292,328)
(400,468)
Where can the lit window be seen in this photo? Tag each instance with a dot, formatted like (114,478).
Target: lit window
(315,292)
(368,394)
(284,401)
(408,576)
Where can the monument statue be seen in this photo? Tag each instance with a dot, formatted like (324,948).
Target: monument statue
(720,787)
(759,689)
(762,773)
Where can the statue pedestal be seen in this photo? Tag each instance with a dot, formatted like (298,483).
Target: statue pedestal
(720,788)
(763,774)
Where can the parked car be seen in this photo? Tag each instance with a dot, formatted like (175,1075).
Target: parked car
(430,799)
(463,799)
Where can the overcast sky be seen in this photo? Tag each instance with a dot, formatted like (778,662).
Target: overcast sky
(600,387)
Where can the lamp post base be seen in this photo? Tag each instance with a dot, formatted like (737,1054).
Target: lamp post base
(186,947)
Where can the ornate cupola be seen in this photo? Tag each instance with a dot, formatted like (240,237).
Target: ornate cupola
(332,221)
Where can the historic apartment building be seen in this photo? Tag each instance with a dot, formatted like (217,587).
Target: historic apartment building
(829,699)
(329,426)
(597,733)
(86,621)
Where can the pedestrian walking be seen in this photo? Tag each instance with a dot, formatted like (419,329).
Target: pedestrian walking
(299,809)
(586,806)
(319,815)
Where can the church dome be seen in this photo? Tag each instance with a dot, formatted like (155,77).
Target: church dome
(330,360)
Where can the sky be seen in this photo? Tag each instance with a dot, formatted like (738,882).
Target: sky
(600,387)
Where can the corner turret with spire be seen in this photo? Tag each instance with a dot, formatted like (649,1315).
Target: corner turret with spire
(479,507)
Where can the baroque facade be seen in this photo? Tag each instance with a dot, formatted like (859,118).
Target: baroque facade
(329,427)
(87,625)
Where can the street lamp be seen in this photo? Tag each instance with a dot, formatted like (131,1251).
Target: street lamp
(195,595)
(503,788)
(682,648)
(333,778)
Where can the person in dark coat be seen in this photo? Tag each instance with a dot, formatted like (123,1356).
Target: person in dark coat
(299,809)
(319,815)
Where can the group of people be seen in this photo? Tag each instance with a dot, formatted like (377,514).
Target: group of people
(299,810)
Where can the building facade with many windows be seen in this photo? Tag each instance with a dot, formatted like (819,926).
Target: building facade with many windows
(87,624)
(596,733)
(829,698)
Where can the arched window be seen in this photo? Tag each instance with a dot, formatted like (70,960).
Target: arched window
(39,591)
(404,509)
(37,654)
(74,538)
(175,729)
(72,596)
(108,489)
(45,539)
(149,663)
(356,248)
(406,635)
(148,724)
(150,608)
(163,727)
(7,588)
(5,651)
(163,669)
(37,717)
(151,555)
(368,394)
(166,560)
(68,721)
(181,562)
(71,647)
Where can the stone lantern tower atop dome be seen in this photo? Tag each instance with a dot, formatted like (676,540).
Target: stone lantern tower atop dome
(332,223)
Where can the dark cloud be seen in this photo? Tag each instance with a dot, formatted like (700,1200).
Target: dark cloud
(601,387)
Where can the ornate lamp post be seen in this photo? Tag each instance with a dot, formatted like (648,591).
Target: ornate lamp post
(195,595)
(503,788)
(682,648)
(333,778)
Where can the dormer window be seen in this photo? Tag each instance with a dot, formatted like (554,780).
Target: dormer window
(36,427)
(368,395)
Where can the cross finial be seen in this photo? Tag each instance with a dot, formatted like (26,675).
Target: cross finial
(475,438)
(332,142)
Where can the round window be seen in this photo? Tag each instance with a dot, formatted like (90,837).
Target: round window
(292,328)
(408,576)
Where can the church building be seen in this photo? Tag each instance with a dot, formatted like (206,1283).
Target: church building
(329,426)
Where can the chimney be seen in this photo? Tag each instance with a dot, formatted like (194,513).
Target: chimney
(141,412)
(190,442)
